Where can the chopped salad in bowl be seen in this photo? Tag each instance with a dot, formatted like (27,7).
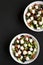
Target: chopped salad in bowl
(24,48)
(33,16)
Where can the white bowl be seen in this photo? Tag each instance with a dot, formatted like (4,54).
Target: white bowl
(11,53)
(31,4)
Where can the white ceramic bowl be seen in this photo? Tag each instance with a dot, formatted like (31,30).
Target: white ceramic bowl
(31,4)
(14,58)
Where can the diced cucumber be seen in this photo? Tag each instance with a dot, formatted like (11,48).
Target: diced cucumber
(29,45)
(29,56)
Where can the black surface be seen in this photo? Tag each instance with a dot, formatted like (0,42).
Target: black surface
(11,24)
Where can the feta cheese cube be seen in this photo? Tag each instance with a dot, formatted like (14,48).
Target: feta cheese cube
(32,18)
(24,52)
(27,58)
(38,15)
(39,12)
(19,52)
(27,38)
(35,22)
(21,41)
(25,45)
(19,37)
(40,23)
(33,11)
(38,28)
(29,20)
(29,52)
(28,14)
(36,6)
(16,54)
(22,48)
(21,57)
(35,49)
(17,41)
(31,49)
(31,40)
(18,46)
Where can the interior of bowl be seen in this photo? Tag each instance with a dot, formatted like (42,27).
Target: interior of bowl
(12,55)
(25,11)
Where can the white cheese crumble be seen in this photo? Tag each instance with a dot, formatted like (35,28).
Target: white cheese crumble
(28,14)
(40,23)
(38,28)
(19,37)
(16,54)
(21,41)
(36,6)
(27,38)
(33,11)
(30,40)
(27,58)
(21,57)
(29,20)
(35,50)
(18,46)
(39,12)
(35,22)
(17,41)
(19,52)
(31,49)
(22,48)
(32,18)
(24,52)
(25,45)
(29,52)
(38,15)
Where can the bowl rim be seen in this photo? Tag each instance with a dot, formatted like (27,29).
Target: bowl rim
(14,58)
(35,30)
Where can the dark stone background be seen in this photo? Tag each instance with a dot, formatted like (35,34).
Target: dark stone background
(11,24)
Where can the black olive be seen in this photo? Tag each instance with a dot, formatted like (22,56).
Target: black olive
(23,60)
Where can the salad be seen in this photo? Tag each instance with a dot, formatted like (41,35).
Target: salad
(34,16)
(24,48)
